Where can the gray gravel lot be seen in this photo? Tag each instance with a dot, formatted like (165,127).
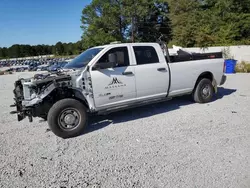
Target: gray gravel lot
(172,144)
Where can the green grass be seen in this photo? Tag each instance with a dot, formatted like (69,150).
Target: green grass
(243,67)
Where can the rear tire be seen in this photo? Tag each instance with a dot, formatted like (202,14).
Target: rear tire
(204,91)
(67,118)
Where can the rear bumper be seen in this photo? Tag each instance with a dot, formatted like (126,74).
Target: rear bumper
(223,79)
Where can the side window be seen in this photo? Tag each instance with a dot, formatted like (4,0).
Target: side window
(145,55)
(122,58)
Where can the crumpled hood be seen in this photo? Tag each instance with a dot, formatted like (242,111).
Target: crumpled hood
(49,77)
(43,78)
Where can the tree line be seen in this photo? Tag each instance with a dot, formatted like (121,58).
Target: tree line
(59,49)
(188,23)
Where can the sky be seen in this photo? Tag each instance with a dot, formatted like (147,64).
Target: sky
(40,21)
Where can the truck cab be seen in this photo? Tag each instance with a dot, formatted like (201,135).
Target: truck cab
(134,69)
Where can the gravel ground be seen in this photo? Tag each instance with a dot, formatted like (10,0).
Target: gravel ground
(172,144)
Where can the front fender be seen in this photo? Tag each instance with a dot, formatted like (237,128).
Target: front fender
(79,95)
(39,98)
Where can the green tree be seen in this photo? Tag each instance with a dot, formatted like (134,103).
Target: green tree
(210,22)
(14,51)
(1,53)
(70,48)
(104,21)
(59,49)
(155,23)
(231,20)
(5,52)
(183,16)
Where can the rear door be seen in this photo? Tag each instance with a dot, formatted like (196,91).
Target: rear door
(113,86)
(151,70)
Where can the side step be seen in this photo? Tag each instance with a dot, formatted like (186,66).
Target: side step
(128,106)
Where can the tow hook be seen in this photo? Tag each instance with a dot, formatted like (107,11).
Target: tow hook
(13,112)
(30,118)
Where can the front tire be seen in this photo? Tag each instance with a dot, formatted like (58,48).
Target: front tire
(67,118)
(204,91)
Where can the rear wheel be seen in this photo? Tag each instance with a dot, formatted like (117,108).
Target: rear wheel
(67,118)
(204,91)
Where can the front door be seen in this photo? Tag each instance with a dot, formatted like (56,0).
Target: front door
(113,86)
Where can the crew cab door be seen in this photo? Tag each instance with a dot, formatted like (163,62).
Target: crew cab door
(151,70)
(115,85)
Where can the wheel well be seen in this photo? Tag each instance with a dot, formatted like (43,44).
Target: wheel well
(207,75)
(74,94)
(82,100)
(56,95)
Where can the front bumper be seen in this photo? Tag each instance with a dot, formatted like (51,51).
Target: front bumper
(223,79)
(21,112)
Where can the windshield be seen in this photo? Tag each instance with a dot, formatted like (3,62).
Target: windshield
(83,59)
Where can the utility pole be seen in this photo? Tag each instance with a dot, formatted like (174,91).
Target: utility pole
(132,29)
(133,24)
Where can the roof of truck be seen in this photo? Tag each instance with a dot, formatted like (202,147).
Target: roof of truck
(122,44)
(172,52)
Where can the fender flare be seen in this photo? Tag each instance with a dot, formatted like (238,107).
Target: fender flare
(77,94)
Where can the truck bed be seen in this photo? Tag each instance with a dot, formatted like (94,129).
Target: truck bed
(184,56)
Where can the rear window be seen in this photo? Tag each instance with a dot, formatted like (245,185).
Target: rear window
(145,55)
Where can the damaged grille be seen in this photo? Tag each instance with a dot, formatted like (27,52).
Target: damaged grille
(18,93)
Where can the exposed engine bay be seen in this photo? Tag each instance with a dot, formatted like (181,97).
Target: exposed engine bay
(35,96)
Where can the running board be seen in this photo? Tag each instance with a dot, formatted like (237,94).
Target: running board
(128,106)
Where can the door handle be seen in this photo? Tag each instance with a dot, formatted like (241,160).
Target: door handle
(161,69)
(127,73)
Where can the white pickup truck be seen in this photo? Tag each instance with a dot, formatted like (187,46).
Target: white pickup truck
(113,77)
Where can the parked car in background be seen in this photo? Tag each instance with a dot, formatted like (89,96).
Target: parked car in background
(45,68)
(33,66)
(42,67)
(62,64)
(55,67)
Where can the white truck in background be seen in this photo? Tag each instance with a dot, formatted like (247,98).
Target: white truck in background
(113,77)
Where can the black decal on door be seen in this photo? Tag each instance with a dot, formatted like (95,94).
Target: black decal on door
(115,83)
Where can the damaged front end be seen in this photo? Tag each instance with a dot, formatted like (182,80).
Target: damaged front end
(33,97)
(19,97)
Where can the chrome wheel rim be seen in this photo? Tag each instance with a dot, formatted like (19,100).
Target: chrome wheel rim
(205,92)
(69,119)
